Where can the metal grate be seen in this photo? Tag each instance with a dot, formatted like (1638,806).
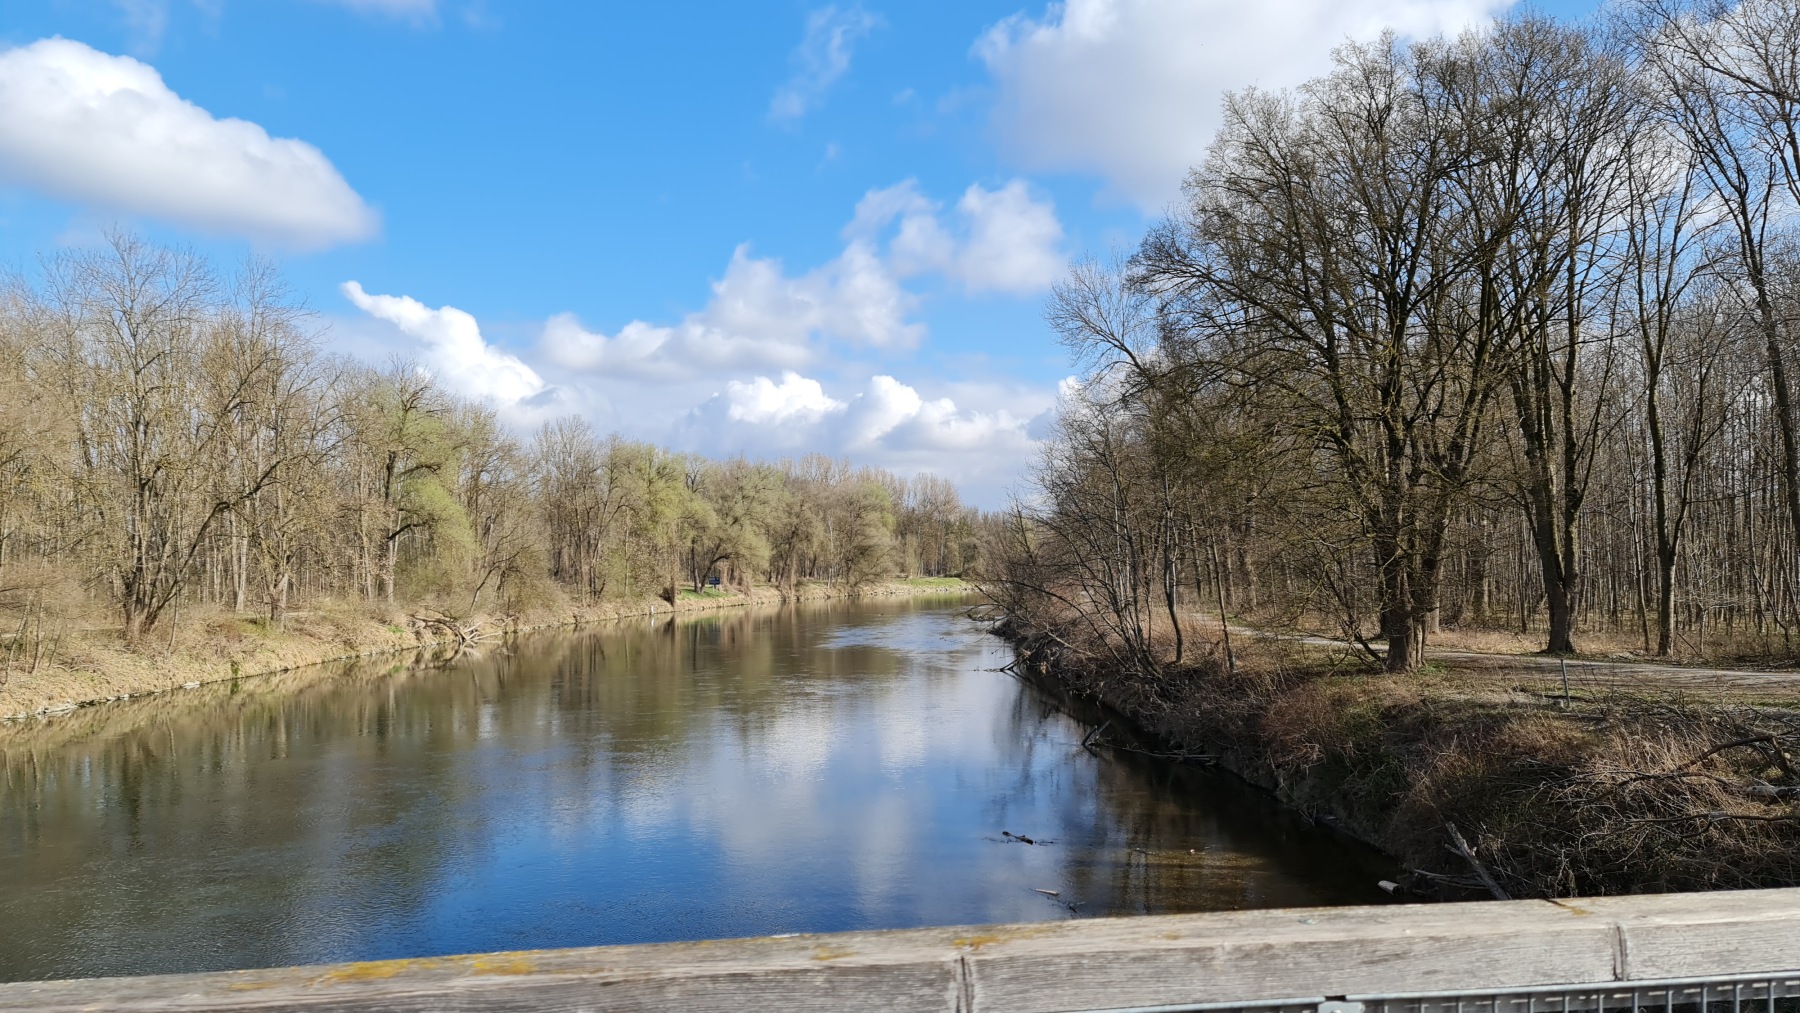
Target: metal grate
(1754,993)
(1761,993)
(1313,1004)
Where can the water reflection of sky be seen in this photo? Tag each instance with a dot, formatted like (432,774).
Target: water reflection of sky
(810,769)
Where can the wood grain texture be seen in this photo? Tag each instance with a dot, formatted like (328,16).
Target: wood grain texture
(1038,968)
(1291,953)
(1695,934)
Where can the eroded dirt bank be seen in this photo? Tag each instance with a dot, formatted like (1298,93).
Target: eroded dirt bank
(1622,785)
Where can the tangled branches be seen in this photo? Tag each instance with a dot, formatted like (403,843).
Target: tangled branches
(1699,797)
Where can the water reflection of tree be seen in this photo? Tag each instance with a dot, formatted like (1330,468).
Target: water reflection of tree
(197,835)
(1160,837)
(309,818)
(236,826)
(643,688)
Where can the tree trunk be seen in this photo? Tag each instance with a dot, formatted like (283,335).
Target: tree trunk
(1559,597)
(1397,619)
(1665,600)
(1562,617)
(1784,412)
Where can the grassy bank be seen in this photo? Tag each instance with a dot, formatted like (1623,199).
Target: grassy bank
(94,666)
(1618,787)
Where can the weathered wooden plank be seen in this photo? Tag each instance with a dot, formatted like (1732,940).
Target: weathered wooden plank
(1289,953)
(801,973)
(1037,968)
(1686,935)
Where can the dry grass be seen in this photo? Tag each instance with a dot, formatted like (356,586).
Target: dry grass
(87,664)
(1719,646)
(1615,791)
(1670,796)
(1491,641)
(1613,645)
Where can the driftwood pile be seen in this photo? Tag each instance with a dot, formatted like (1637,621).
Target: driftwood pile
(463,633)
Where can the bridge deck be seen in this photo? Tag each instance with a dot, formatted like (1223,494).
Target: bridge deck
(1290,959)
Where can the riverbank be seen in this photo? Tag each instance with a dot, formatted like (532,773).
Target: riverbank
(94,666)
(1608,788)
(794,768)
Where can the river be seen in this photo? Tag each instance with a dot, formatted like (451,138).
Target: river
(811,768)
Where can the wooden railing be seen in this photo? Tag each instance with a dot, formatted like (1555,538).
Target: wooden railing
(1099,964)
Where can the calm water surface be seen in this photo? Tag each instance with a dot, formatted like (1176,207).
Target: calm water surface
(814,768)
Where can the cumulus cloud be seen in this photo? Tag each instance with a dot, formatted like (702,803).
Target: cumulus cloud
(822,57)
(1130,89)
(758,317)
(886,421)
(761,318)
(1003,240)
(733,376)
(978,433)
(455,351)
(981,443)
(89,127)
(795,399)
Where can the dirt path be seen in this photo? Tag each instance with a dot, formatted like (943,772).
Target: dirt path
(1627,676)
(1541,673)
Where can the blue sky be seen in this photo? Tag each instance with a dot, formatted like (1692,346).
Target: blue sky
(728,227)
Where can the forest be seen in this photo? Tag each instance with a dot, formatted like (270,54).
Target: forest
(175,437)
(1492,332)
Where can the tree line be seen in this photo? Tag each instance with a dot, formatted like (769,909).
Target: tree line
(172,436)
(1487,331)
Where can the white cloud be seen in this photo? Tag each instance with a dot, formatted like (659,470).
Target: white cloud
(761,318)
(885,422)
(455,351)
(795,399)
(1004,240)
(733,376)
(938,425)
(86,126)
(881,414)
(978,433)
(881,409)
(1014,241)
(1130,89)
(822,57)
(758,317)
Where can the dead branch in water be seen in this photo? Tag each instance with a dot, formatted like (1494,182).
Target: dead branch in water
(1088,739)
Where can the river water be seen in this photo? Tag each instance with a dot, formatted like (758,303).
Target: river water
(805,769)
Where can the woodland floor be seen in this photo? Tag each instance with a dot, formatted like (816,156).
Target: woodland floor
(1587,674)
